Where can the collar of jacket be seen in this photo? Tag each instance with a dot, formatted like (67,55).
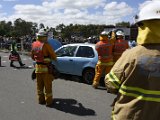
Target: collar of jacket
(148,33)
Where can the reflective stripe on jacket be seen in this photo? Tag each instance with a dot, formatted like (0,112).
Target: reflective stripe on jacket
(137,92)
(13,47)
(41,68)
(135,78)
(104,50)
(105,63)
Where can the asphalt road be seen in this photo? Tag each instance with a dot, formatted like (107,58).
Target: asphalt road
(73,100)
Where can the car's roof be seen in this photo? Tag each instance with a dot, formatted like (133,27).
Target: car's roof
(80,44)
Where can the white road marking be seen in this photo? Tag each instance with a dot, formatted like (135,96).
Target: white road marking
(31,66)
(24,59)
(5,56)
(22,102)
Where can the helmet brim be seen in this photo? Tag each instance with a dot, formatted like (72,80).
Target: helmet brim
(41,35)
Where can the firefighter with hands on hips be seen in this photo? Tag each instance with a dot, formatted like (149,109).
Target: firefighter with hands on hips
(14,56)
(120,45)
(105,58)
(42,53)
(135,77)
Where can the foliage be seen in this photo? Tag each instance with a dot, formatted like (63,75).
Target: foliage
(124,24)
(22,28)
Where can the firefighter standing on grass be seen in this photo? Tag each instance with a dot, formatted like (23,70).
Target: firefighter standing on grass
(42,53)
(105,59)
(135,77)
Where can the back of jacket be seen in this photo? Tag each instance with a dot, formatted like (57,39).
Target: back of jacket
(48,54)
(136,79)
(104,50)
(119,47)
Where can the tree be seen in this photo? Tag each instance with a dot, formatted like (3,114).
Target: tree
(124,24)
(60,27)
(34,28)
(22,28)
(5,28)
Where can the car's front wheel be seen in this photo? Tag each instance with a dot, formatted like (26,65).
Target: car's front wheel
(88,75)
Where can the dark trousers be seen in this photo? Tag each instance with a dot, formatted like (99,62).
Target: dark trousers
(14,53)
(20,63)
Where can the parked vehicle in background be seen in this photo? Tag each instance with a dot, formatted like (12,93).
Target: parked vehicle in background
(77,59)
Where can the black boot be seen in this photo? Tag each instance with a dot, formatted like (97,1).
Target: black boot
(21,64)
(11,64)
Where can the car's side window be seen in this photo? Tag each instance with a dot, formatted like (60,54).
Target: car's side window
(85,51)
(66,51)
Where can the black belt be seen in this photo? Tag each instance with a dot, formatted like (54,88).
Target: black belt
(41,63)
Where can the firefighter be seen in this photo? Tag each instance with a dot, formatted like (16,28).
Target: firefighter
(14,56)
(105,59)
(135,77)
(120,45)
(42,53)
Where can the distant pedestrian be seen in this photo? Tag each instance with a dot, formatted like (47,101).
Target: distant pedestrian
(133,43)
(14,56)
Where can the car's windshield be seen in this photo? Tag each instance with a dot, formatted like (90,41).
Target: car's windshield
(66,51)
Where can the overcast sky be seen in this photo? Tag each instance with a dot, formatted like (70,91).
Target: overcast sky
(54,12)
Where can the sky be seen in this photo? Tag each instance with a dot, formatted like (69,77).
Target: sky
(54,12)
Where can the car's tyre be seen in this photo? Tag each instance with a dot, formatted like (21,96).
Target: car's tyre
(88,75)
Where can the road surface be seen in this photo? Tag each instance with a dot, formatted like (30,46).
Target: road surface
(73,100)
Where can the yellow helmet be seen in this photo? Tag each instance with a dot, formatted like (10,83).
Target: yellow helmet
(104,36)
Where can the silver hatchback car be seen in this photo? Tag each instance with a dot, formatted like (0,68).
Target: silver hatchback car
(77,59)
